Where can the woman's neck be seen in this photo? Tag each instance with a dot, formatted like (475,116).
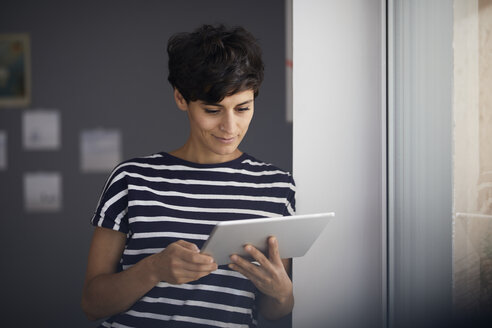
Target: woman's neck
(189,153)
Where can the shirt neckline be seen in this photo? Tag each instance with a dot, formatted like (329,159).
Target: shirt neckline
(231,163)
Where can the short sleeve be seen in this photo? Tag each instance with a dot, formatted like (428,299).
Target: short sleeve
(112,209)
(290,206)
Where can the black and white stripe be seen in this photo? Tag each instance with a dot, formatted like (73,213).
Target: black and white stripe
(159,199)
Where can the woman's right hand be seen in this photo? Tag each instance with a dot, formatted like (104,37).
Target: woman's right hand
(181,262)
(107,291)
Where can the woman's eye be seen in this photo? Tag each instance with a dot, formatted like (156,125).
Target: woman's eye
(211,111)
(242,109)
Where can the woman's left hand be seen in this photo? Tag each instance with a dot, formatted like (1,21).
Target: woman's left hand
(270,276)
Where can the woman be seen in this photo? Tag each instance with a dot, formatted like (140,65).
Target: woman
(144,266)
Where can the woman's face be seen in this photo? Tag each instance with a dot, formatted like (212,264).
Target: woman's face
(216,130)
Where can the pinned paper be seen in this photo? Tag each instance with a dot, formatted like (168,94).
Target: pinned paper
(3,150)
(41,130)
(42,192)
(100,150)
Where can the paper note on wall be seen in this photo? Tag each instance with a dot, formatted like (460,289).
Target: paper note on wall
(100,150)
(41,130)
(42,192)
(3,150)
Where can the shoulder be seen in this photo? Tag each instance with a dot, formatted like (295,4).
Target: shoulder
(254,163)
(149,161)
(280,183)
(156,158)
(136,165)
(261,167)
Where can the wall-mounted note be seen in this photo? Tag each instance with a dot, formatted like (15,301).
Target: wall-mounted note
(42,192)
(41,129)
(100,150)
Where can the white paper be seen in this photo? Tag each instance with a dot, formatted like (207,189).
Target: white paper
(3,150)
(42,192)
(100,150)
(41,130)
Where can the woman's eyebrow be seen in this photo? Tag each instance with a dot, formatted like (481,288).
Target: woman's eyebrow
(219,105)
(245,102)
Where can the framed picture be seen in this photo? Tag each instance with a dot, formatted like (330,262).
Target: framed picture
(15,70)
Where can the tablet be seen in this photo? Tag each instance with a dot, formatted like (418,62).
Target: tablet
(295,235)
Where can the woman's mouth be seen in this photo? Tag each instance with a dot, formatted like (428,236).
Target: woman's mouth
(225,140)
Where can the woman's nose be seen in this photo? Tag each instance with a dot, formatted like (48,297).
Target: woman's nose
(227,123)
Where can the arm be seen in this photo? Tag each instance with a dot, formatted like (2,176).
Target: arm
(107,292)
(270,277)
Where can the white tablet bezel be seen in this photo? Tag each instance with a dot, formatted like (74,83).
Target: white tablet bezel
(295,235)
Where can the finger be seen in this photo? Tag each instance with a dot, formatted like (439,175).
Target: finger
(188,245)
(197,258)
(260,257)
(247,266)
(251,271)
(181,263)
(273,251)
(199,268)
(191,253)
(241,270)
(184,276)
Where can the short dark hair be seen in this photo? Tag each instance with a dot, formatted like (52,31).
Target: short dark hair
(213,62)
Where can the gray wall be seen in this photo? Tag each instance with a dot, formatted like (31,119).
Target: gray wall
(103,64)
(339,113)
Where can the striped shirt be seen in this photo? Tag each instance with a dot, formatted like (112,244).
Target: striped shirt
(160,199)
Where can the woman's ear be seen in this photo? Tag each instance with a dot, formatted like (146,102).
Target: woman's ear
(180,101)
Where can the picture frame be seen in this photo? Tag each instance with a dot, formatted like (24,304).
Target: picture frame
(15,70)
